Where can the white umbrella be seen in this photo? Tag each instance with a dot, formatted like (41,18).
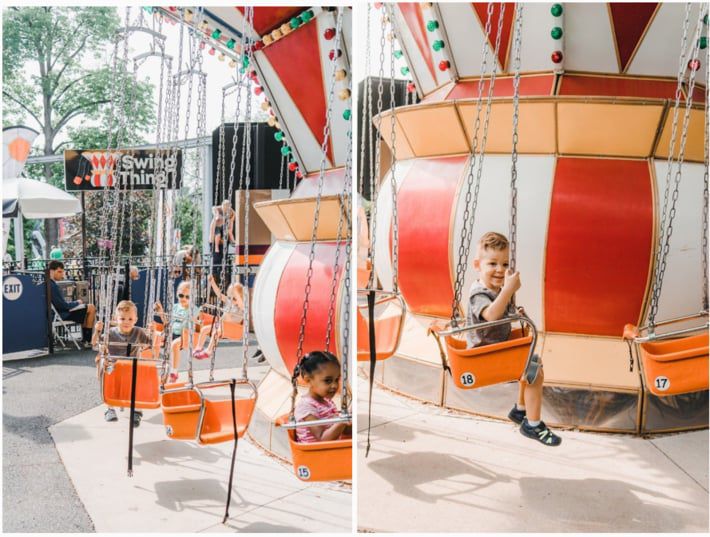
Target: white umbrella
(37,199)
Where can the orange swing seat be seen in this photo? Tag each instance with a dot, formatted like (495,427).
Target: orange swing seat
(673,366)
(189,415)
(230,330)
(115,381)
(489,364)
(388,327)
(116,385)
(320,461)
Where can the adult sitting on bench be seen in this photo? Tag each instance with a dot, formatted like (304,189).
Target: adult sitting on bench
(76,310)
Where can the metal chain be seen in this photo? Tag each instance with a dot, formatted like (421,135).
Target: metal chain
(471,198)
(514,147)
(321,180)
(106,197)
(344,204)
(229,189)
(375,173)
(347,205)
(670,211)
(393,164)
(117,208)
(195,63)
(365,127)
(249,12)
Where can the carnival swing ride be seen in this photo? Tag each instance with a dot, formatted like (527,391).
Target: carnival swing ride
(263,46)
(580,115)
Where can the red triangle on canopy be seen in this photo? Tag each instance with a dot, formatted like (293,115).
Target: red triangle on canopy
(629,22)
(481,10)
(412,13)
(296,58)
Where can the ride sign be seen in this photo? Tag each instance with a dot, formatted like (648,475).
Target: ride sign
(132,169)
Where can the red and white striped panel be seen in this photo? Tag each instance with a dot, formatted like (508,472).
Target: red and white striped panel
(632,38)
(279,293)
(584,247)
(296,73)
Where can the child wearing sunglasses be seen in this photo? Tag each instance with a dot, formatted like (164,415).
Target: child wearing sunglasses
(180,321)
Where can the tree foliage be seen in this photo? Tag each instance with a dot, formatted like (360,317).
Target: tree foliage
(51,81)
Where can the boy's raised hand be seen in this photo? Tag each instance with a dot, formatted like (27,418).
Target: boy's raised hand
(512,280)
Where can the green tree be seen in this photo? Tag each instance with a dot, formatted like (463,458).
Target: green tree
(46,81)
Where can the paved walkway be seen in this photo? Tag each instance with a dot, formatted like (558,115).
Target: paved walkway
(182,487)
(64,468)
(432,470)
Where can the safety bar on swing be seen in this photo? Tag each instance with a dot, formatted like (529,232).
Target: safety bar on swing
(381,292)
(342,418)
(112,358)
(488,324)
(214,307)
(632,332)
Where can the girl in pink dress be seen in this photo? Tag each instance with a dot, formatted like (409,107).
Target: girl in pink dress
(321,370)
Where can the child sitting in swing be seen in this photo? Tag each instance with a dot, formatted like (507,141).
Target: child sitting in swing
(233,313)
(321,370)
(490,299)
(119,337)
(180,321)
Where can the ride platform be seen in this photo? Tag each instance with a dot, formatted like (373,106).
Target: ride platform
(435,470)
(179,486)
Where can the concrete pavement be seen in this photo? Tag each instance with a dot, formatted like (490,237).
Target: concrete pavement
(182,487)
(433,470)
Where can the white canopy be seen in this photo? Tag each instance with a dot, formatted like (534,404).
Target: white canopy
(39,200)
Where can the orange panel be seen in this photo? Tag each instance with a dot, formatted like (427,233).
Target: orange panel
(623,130)
(536,85)
(536,126)
(613,86)
(433,131)
(426,200)
(694,143)
(384,125)
(598,246)
(290,295)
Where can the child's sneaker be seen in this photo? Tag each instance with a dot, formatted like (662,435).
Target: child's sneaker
(200,354)
(516,416)
(110,415)
(137,417)
(540,432)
